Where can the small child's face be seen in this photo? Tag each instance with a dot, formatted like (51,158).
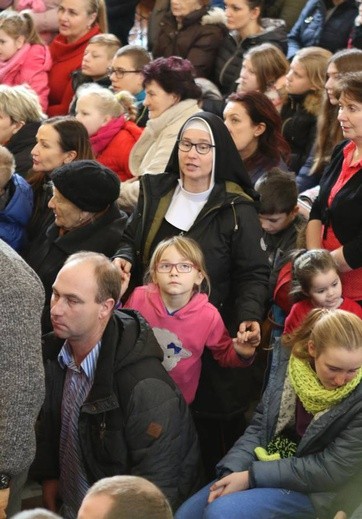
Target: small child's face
(89,115)
(176,283)
(326,290)
(9,46)
(274,223)
(95,61)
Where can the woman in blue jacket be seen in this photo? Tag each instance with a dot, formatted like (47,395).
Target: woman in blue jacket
(303,443)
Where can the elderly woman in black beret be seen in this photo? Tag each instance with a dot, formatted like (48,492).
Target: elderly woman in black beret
(86,217)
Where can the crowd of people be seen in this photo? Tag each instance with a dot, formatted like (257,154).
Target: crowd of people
(181,259)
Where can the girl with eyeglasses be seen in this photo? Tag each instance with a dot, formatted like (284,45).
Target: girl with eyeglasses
(181,316)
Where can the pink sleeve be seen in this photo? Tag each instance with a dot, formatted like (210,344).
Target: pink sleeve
(293,320)
(35,72)
(221,345)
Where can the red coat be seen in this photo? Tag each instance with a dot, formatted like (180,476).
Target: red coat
(116,147)
(67,57)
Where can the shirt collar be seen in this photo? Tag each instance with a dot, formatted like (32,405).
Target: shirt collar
(87,366)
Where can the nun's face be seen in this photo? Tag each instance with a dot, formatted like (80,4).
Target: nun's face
(196,167)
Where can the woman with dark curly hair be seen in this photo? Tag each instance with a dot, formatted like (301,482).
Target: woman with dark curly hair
(255,127)
(171,98)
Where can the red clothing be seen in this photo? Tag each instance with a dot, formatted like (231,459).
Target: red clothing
(31,65)
(112,144)
(184,335)
(302,308)
(67,57)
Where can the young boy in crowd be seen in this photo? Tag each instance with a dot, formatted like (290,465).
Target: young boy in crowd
(279,218)
(126,74)
(97,60)
(16,202)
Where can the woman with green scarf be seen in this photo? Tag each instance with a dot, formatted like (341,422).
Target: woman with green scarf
(305,439)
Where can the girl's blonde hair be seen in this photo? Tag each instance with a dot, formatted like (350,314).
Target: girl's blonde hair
(315,62)
(108,103)
(190,250)
(307,265)
(16,24)
(325,328)
(269,64)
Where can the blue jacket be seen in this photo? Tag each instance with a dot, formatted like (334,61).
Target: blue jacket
(328,455)
(17,213)
(312,28)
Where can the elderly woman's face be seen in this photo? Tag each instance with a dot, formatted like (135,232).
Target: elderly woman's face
(181,8)
(350,118)
(74,19)
(158,100)
(67,215)
(48,154)
(195,167)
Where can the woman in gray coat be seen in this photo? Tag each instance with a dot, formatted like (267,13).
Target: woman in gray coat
(304,441)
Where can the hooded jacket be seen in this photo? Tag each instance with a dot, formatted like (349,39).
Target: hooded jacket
(184,334)
(197,39)
(134,420)
(328,455)
(231,53)
(229,234)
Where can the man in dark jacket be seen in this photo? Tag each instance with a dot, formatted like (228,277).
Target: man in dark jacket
(110,406)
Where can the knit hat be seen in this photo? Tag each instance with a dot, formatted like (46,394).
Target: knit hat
(87,184)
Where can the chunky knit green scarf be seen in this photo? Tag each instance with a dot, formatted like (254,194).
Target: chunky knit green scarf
(314,397)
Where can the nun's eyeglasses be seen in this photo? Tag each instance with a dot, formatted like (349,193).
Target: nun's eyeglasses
(202,148)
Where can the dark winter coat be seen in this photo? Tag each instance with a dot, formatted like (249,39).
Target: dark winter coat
(312,27)
(229,233)
(231,54)
(47,253)
(198,39)
(345,212)
(299,116)
(328,454)
(134,420)
(21,144)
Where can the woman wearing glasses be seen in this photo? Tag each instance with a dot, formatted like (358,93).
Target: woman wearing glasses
(206,194)
(79,21)
(171,98)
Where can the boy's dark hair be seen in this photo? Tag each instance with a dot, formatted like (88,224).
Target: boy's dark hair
(278,192)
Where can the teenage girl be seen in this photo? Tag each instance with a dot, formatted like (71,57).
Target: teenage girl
(316,285)
(109,120)
(23,56)
(305,87)
(182,319)
(264,69)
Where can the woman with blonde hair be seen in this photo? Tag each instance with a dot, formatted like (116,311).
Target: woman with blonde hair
(303,443)
(23,56)
(109,120)
(68,47)
(264,69)
(21,116)
(305,88)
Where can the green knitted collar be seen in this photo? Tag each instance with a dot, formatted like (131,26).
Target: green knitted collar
(313,395)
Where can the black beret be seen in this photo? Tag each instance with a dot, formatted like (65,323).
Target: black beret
(87,184)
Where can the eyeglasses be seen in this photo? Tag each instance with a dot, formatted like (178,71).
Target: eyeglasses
(120,72)
(166,268)
(202,148)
